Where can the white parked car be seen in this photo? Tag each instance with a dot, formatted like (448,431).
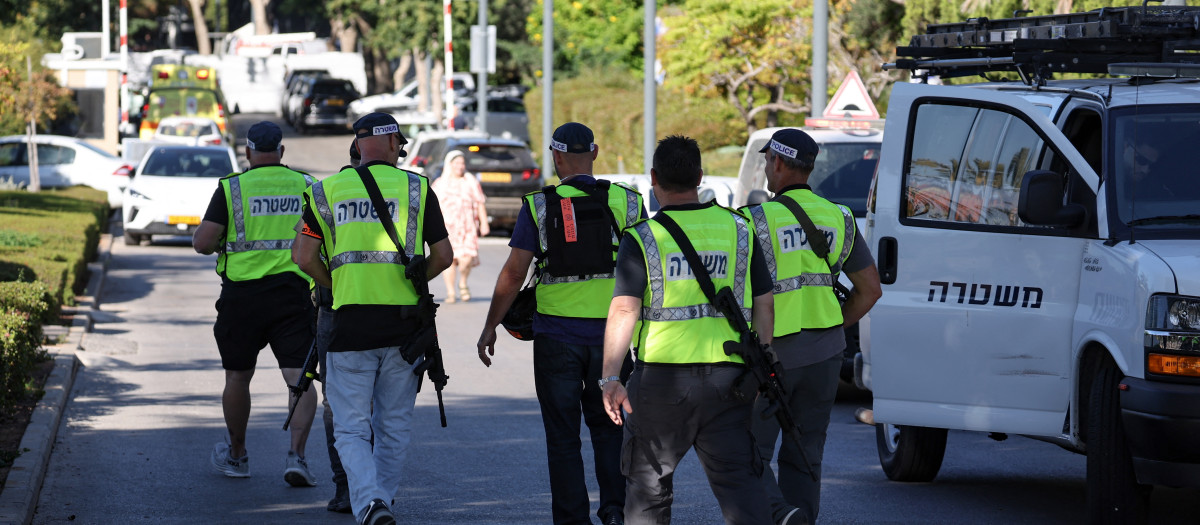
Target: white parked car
(189,131)
(65,161)
(171,188)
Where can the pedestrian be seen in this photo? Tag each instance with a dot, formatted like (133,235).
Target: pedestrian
(575,260)
(681,394)
(809,338)
(264,295)
(462,201)
(371,386)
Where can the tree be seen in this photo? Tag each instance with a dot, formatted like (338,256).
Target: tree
(202,43)
(21,98)
(258,11)
(755,55)
(591,34)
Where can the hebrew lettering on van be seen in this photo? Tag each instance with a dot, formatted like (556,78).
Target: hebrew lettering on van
(792,238)
(275,205)
(716,262)
(360,210)
(981,294)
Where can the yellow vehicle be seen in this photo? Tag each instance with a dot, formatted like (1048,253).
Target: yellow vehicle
(182,91)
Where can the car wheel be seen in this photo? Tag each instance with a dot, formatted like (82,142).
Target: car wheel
(1114,495)
(910,453)
(132,239)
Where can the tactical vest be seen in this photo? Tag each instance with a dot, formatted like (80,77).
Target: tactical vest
(365,265)
(677,324)
(804,297)
(263,208)
(581,296)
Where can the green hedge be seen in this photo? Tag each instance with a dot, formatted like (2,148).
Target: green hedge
(46,241)
(23,308)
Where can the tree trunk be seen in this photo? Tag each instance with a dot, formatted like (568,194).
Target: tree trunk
(258,11)
(202,43)
(346,34)
(437,109)
(422,80)
(401,73)
(382,71)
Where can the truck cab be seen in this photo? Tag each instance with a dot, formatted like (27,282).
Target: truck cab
(1037,241)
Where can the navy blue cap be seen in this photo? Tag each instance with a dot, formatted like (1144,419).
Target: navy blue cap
(373,124)
(793,144)
(264,136)
(572,137)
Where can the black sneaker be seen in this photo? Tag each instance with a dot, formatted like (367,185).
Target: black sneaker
(378,514)
(340,501)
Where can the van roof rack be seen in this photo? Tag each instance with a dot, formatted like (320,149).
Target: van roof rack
(1036,47)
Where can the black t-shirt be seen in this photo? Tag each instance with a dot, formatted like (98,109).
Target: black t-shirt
(368,326)
(631,265)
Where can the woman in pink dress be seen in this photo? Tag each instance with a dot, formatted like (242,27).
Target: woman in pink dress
(461,199)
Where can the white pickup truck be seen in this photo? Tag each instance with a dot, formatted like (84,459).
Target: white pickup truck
(1039,246)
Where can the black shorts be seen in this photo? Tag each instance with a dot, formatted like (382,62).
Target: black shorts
(276,310)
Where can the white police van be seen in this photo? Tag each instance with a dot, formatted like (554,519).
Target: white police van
(1039,246)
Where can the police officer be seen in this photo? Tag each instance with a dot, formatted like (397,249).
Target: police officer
(264,296)
(570,319)
(371,387)
(809,338)
(681,392)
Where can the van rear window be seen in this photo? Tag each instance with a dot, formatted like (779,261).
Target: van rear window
(498,158)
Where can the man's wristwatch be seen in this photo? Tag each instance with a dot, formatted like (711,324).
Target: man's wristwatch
(609,379)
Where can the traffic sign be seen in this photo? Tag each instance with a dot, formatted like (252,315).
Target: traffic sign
(851,100)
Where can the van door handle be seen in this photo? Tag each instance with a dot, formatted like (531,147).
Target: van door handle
(887,260)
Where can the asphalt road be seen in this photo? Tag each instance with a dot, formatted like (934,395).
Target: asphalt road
(145,411)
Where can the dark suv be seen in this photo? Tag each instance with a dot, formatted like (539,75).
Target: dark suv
(505,168)
(323,103)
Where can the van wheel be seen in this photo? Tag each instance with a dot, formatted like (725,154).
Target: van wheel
(1114,495)
(132,239)
(910,453)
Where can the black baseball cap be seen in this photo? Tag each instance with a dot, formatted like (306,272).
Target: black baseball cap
(264,136)
(793,144)
(572,137)
(374,124)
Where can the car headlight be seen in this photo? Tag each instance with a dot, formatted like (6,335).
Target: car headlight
(1173,313)
(138,195)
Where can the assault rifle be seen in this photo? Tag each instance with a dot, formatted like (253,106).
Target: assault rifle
(307,374)
(425,340)
(758,358)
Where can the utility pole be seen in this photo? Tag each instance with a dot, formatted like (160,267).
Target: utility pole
(649,86)
(449,65)
(820,57)
(547,86)
(481,97)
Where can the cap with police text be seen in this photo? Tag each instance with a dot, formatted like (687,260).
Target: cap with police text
(264,136)
(793,144)
(572,137)
(374,124)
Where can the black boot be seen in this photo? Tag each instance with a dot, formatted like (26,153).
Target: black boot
(341,500)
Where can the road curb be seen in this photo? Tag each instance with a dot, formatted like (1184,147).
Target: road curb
(19,499)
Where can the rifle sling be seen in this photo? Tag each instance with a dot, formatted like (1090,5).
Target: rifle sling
(816,239)
(381,209)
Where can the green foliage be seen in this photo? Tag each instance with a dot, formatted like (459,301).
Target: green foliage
(20,40)
(592,34)
(15,239)
(609,101)
(23,309)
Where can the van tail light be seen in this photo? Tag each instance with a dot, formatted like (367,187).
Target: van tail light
(220,111)
(145,108)
(308,101)
(123,171)
(216,141)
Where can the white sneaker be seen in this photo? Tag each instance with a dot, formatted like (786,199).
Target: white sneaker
(224,463)
(296,473)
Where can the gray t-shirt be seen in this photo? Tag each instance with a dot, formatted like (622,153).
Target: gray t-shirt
(813,346)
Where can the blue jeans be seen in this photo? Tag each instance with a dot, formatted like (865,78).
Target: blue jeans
(811,391)
(565,377)
(371,392)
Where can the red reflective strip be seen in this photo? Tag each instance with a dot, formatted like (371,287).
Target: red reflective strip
(568,211)
(449,47)
(122,4)
(124,39)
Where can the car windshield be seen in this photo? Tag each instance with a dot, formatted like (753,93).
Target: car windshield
(842,173)
(183,162)
(497,157)
(1151,168)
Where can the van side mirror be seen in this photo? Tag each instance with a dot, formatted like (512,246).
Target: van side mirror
(757,197)
(1041,201)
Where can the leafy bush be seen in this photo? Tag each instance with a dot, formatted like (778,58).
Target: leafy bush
(23,308)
